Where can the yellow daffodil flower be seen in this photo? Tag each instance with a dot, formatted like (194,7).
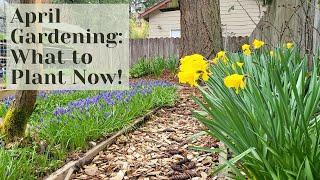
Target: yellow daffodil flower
(192,68)
(239,64)
(225,60)
(205,76)
(290,45)
(215,60)
(257,44)
(235,81)
(188,78)
(246,49)
(222,55)
(233,66)
(271,53)
(247,52)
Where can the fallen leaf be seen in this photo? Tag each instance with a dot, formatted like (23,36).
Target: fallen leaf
(91,170)
(204,176)
(119,176)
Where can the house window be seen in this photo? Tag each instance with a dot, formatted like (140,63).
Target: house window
(176,33)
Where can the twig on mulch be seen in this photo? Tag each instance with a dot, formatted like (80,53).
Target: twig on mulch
(69,174)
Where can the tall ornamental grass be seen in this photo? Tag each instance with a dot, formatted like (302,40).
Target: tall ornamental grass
(265,107)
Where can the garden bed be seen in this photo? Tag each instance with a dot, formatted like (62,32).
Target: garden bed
(160,149)
(65,121)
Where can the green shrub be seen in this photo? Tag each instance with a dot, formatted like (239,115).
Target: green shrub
(272,125)
(142,68)
(158,65)
(155,66)
(172,64)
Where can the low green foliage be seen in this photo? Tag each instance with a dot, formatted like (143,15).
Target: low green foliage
(141,68)
(26,163)
(158,65)
(3,110)
(272,126)
(172,64)
(154,67)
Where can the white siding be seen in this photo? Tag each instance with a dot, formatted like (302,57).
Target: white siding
(161,23)
(235,21)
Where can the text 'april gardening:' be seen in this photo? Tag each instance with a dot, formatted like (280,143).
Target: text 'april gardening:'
(21,36)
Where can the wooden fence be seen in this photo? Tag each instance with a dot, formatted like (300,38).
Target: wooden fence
(169,47)
(234,44)
(153,47)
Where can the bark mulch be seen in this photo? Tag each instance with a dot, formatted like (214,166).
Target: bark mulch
(158,150)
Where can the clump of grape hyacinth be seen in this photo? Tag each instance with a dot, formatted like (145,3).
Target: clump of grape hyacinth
(112,98)
(42,94)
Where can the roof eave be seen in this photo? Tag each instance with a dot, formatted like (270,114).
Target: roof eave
(153,8)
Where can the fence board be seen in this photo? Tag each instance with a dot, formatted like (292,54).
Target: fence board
(176,45)
(166,49)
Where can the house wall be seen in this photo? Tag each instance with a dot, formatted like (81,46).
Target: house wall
(235,21)
(161,23)
(239,17)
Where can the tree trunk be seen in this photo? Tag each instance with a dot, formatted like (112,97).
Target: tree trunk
(15,122)
(200,27)
(288,21)
(316,32)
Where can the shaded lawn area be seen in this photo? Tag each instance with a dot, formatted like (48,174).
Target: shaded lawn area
(64,122)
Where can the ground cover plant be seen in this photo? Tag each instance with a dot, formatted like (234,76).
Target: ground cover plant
(155,67)
(264,106)
(64,122)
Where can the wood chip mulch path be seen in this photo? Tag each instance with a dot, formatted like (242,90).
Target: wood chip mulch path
(158,150)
